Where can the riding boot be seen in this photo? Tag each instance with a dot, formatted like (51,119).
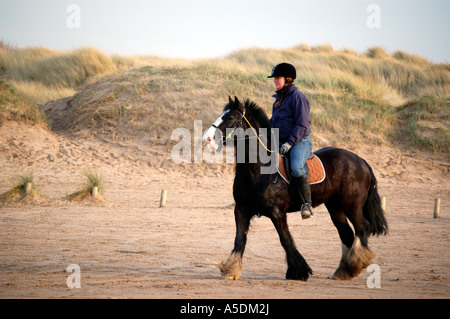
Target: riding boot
(302,185)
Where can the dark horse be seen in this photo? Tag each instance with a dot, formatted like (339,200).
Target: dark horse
(349,192)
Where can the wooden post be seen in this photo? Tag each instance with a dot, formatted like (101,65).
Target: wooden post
(437,207)
(162,202)
(94,191)
(383,204)
(28,188)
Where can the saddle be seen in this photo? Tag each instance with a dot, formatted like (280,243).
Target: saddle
(315,168)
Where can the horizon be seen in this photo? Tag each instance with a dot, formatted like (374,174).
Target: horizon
(197,29)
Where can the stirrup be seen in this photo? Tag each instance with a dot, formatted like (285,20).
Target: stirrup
(306,211)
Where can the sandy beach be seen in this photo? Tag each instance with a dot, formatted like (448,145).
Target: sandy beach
(128,247)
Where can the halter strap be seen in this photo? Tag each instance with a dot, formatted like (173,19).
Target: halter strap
(236,124)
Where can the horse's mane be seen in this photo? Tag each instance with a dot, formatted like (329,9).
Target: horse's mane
(258,114)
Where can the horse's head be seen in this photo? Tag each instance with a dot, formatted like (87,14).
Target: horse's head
(231,118)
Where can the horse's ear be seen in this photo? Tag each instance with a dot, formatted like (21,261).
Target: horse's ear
(230,99)
(238,104)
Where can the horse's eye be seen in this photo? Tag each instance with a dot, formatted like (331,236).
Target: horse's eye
(230,117)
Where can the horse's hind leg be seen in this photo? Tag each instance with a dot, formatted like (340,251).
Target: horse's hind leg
(359,255)
(232,268)
(347,237)
(355,254)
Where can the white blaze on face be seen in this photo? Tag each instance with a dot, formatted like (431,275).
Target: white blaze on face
(209,135)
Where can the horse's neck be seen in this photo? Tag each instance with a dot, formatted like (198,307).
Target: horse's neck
(252,165)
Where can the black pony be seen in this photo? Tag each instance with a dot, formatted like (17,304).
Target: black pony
(349,192)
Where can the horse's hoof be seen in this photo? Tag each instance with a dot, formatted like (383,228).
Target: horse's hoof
(230,277)
(297,275)
(341,275)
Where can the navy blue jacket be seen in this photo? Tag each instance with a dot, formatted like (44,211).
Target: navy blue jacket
(292,117)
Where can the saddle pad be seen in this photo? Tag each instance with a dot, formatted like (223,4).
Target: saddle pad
(315,168)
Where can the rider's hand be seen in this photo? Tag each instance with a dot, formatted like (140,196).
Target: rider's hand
(285,148)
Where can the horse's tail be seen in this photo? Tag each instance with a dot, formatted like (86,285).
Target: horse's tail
(373,212)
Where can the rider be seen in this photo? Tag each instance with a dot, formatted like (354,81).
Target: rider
(290,114)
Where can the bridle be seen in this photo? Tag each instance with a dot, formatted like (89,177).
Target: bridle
(238,123)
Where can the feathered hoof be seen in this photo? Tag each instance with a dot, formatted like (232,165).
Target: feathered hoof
(353,261)
(229,277)
(341,274)
(232,268)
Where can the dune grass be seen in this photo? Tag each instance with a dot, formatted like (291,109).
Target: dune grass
(354,97)
(39,74)
(426,123)
(93,179)
(15,108)
(54,68)
(19,193)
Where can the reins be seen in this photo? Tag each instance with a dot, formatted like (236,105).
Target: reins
(236,124)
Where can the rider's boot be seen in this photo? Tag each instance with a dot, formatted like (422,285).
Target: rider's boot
(302,185)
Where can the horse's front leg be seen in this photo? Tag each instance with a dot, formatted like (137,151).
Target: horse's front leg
(232,268)
(298,269)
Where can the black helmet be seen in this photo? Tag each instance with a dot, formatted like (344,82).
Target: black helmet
(284,69)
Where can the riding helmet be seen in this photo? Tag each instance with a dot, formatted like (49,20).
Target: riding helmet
(284,69)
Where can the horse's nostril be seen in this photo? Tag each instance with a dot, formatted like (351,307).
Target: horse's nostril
(207,140)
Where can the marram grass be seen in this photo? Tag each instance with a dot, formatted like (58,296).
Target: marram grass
(93,179)
(19,193)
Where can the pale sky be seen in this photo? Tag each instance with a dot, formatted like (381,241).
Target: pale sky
(215,28)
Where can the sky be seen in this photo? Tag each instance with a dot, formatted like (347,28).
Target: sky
(215,28)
